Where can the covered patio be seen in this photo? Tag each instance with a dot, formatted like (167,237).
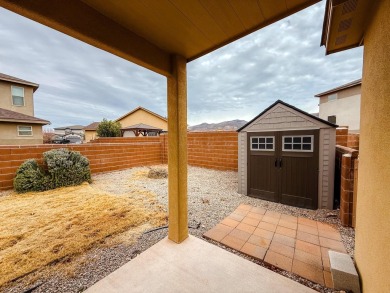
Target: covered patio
(164,36)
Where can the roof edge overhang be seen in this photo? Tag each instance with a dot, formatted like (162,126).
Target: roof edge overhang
(339,88)
(42,122)
(344,24)
(144,109)
(35,86)
(291,107)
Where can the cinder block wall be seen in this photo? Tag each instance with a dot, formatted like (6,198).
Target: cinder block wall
(214,150)
(344,138)
(347,199)
(103,157)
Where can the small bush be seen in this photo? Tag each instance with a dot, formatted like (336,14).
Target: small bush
(64,168)
(29,177)
(108,128)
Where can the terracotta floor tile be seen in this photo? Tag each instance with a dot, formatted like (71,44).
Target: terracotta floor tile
(308,237)
(218,232)
(308,258)
(273,214)
(236,217)
(264,233)
(308,229)
(289,218)
(230,222)
(245,227)
(254,216)
(267,226)
(332,244)
(286,231)
(254,250)
(309,272)
(259,241)
(328,234)
(326,227)
(278,260)
(233,242)
(241,212)
(288,224)
(245,207)
(282,249)
(270,219)
(308,247)
(250,221)
(289,241)
(257,210)
(240,234)
(328,279)
(326,264)
(307,222)
(324,252)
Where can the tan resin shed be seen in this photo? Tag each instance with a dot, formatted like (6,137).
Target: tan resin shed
(287,155)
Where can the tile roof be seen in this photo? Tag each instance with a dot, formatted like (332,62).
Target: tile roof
(12,116)
(92,126)
(141,126)
(13,79)
(71,127)
(339,88)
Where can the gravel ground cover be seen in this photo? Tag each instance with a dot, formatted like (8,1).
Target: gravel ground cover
(212,195)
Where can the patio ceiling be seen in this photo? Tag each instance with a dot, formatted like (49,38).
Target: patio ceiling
(147,32)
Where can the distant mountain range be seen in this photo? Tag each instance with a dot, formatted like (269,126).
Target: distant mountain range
(222,126)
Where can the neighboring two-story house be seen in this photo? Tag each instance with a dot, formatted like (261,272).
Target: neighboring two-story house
(17,122)
(341,105)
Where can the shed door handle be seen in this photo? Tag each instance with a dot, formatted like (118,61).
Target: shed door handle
(276,162)
(280,163)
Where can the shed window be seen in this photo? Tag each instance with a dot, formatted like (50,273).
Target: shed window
(262,143)
(17,96)
(25,131)
(301,143)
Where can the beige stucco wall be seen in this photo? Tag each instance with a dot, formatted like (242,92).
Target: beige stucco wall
(90,135)
(346,108)
(141,116)
(6,98)
(9,134)
(372,247)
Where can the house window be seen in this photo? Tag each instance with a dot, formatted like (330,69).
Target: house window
(298,143)
(17,96)
(332,97)
(25,131)
(332,119)
(262,143)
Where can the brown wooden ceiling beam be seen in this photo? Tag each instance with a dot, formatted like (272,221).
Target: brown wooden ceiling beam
(80,21)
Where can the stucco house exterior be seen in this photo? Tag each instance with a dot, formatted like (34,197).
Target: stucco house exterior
(90,131)
(341,105)
(143,116)
(18,126)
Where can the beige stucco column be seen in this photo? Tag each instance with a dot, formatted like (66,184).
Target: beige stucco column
(177,150)
(372,250)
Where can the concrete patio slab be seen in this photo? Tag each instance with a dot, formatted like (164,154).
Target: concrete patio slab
(291,243)
(194,266)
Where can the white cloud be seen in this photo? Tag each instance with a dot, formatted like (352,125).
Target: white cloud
(80,84)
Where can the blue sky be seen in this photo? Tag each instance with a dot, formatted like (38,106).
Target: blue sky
(80,84)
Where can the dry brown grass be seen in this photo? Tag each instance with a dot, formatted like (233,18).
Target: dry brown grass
(39,228)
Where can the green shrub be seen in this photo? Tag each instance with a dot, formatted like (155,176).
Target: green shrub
(29,177)
(64,168)
(108,128)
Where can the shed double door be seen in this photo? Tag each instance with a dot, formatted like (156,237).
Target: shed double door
(283,167)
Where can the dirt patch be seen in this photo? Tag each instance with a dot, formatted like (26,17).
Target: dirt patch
(39,228)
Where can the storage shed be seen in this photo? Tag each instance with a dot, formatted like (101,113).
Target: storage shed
(286,155)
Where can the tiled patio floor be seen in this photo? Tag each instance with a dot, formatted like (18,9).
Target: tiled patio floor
(294,244)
